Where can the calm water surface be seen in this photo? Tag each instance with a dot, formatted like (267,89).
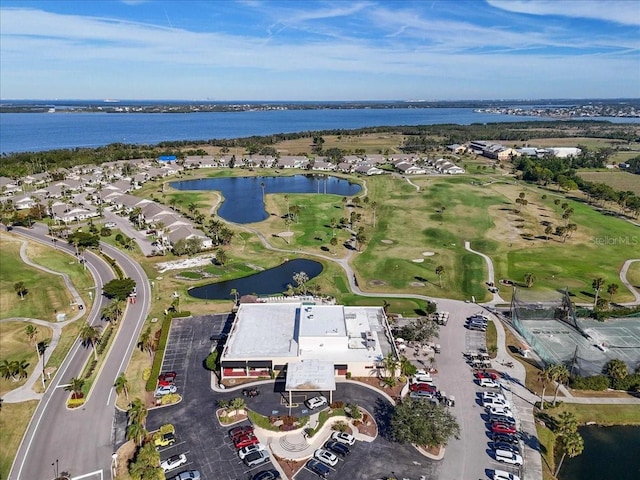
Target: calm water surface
(243,202)
(609,453)
(268,282)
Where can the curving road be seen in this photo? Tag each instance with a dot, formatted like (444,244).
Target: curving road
(81,440)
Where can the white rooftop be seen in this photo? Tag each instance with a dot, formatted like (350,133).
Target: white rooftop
(310,374)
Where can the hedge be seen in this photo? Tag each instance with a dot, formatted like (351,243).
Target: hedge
(116,268)
(595,382)
(162,344)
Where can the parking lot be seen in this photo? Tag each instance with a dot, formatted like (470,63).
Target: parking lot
(206,443)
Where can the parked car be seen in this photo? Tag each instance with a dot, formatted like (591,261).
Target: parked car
(505,438)
(502,475)
(267,475)
(503,428)
(494,402)
(256,447)
(506,456)
(493,395)
(319,468)
(477,326)
(165,390)
(256,458)
(337,448)
(423,378)
(500,410)
(502,419)
(165,383)
(242,441)
(506,446)
(426,387)
(488,383)
(167,377)
(173,462)
(326,456)
(485,374)
(316,402)
(242,430)
(165,439)
(422,395)
(111,225)
(343,437)
(188,475)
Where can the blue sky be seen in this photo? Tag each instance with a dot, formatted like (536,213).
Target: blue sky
(319,50)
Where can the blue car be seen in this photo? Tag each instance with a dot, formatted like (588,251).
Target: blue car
(319,468)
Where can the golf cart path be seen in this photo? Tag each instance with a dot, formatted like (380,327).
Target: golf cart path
(623,278)
(25,392)
(490,272)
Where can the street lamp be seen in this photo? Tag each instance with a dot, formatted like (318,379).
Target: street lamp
(54,465)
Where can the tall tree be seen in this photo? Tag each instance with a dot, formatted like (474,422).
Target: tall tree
(612,289)
(571,445)
(439,272)
(560,375)
(301,279)
(529,279)
(75,387)
(423,423)
(616,369)
(20,289)
(138,412)
(544,377)
(90,335)
(32,336)
(597,285)
(122,385)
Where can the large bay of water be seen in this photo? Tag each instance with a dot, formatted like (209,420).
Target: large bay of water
(21,132)
(243,201)
(609,453)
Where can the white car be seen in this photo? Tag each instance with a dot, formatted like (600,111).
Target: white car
(165,390)
(343,437)
(325,456)
(488,383)
(316,402)
(111,225)
(173,462)
(505,456)
(423,379)
(500,410)
(502,475)
(496,395)
(243,452)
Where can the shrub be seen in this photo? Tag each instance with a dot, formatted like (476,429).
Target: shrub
(287,428)
(337,404)
(167,428)
(340,426)
(212,361)
(75,402)
(595,382)
(348,375)
(630,383)
(157,359)
(170,399)
(105,232)
(146,374)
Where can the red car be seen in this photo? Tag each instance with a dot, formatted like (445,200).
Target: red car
(423,387)
(240,431)
(165,383)
(244,441)
(490,375)
(503,428)
(169,377)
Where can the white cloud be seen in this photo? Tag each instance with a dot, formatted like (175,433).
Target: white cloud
(626,12)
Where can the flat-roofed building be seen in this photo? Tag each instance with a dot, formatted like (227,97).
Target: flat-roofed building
(266,337)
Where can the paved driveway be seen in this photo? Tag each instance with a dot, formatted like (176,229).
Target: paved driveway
(206,443)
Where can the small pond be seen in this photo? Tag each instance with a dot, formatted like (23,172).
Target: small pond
(609,452)
(268,282)
(243,199)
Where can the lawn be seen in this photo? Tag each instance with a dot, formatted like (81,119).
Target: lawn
(14,419)
(633,274)
(46,293)
(15,346)
(621,181)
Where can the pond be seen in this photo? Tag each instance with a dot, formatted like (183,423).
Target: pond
(268,282)
(243,199)
(609,452)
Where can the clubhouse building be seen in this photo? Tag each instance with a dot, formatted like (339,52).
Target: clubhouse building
(318,342)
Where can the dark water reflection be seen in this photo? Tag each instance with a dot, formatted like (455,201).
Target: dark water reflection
(243,201)
(268,282)
(609,453)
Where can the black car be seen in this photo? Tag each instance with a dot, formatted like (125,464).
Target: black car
(337,448)
(266,475)
(319,468)
(505,438)
(509,447)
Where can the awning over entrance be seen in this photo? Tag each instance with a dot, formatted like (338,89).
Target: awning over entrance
(311,375)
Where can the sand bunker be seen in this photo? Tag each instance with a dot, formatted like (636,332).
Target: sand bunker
(417,284)
(387,241)
(376,282)
(418,260)
(428,254)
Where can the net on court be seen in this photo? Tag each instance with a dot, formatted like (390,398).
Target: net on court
(552,329)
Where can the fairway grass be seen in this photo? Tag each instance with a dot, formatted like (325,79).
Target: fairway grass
(621,181)
(14,419)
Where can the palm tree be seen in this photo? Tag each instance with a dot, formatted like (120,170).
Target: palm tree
(32,335)
(136,432)
(560,375)
(221,256)
(544,377)
(374,205)
(15,369)
(391,364)
(20,289)
(566,423)
(122,385)
(572,445)
(529,278)
(237,404)
(301,279)
(547,231)
(439,272)
(147,342)
(616,369)
(333,242)
(597,285)
(612,289)
(138,412)
(234,292)
(90,335)
(113,311)
(75,387)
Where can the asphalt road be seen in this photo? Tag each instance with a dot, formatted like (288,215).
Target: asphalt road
(80,441)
